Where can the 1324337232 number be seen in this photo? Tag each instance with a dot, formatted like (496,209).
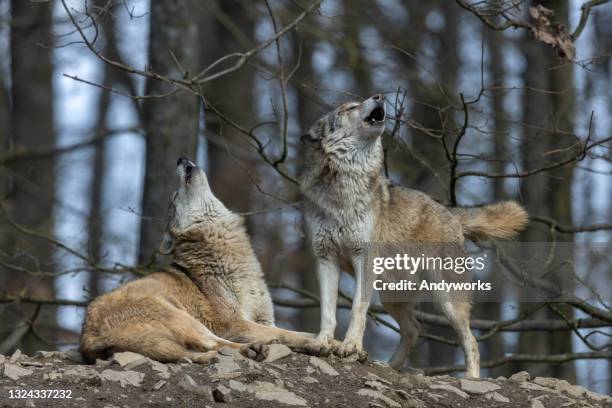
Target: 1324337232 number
(40,394)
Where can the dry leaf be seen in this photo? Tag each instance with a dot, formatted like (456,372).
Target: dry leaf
(552,34)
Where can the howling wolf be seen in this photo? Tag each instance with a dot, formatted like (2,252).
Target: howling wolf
(212,296)
(348,203)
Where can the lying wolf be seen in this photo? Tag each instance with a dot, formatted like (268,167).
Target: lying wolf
(348,202)
(212,296)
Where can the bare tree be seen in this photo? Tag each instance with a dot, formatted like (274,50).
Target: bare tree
(31,195)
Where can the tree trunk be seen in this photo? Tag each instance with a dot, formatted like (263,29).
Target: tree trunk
(171,122)
(31,198)
(549,193)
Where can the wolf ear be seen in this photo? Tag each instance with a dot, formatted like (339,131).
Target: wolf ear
(167,245)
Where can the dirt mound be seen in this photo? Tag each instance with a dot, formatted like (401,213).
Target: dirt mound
(285,379)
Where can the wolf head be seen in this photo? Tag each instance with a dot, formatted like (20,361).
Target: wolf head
(349,129)
(345,144)
(193,203)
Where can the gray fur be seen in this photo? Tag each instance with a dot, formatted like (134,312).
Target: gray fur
(348,202)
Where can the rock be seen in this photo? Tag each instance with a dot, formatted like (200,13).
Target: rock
(188,384)
(222,394)
(561,385)
(449,388)
(226,365)
(574,390)
(47,354)
(323,366)
(132,378)
(72,355)
(496,396)
(598,397)
(53,375)
(31,364)
(478,387)
(533,387)
(310,380)
(416,381)
(277,352)
(159,384)
(230,352)
(15,356)
(376,385)
(546,382)
(351,359)
(102,363)
(374,377)
(268,391)
(127,357)
(521,376)
(536,403)
(81,372)
(161,369)
(365,392)
(409,400)
(15,371)
(237,386)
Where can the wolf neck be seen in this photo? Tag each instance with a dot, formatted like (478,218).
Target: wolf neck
(216,249)
(215,210)
(336,184)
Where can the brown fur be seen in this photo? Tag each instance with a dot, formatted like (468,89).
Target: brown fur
(349,202)
(212,296)
(496,221)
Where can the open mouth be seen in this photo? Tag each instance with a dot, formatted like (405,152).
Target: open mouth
(188,167)
(376,116)
(188,172)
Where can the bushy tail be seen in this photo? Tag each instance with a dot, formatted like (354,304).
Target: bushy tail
(495,221)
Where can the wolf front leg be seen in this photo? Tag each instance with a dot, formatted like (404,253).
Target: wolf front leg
(353,341)
(328,273)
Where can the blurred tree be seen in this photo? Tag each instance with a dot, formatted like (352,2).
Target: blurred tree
(229,28)
(171,122)
(496,77)
(111,79)
(31,196)
(549,193)
(5,144)
(302,261)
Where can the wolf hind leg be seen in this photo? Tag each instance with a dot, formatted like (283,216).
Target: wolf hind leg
(458,315)
(403,313)
(244,331)
(164,333)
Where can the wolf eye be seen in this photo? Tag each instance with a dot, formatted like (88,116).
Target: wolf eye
(352,107)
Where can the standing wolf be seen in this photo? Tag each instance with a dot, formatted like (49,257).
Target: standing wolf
(348,203)
(212,296)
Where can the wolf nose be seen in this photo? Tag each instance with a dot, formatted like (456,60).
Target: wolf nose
(185,161)
(379,97)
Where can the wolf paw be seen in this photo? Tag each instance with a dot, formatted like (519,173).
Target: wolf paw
(326,340)
(348,348)
(203,358)
(316,348)
(255,351)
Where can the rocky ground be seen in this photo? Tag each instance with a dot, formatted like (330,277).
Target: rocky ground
(283,379)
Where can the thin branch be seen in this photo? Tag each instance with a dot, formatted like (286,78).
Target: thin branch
(524,358)
(584,16)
